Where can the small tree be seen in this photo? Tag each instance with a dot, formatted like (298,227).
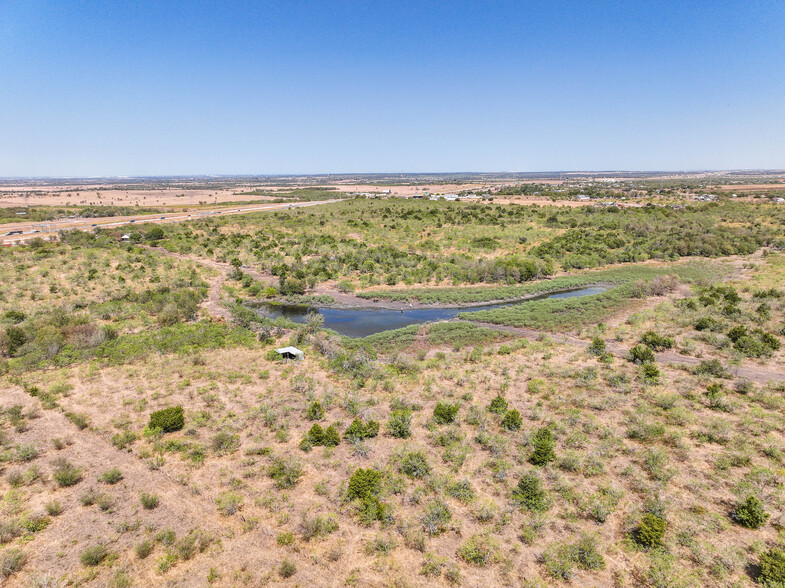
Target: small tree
(315,411)
(772,567)
(364,484)
(597,347)
(641,354)
(399,425)
(750,513)
(543,447)
(512,421)
(168,420)
(650,531)
(444,413)
(498,405)
(529,494)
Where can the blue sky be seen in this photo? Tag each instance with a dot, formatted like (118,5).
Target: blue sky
(169,87)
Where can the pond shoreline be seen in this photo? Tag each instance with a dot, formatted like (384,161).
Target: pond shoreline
(352,302)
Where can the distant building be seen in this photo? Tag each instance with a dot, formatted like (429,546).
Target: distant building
(451,197)
(582,197)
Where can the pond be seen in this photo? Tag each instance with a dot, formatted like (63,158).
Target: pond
(361,322)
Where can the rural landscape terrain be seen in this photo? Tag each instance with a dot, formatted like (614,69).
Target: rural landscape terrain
(520,380)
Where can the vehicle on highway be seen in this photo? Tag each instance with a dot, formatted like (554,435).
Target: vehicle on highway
(13,233)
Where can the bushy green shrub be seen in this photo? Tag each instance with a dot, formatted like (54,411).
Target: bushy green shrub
(414,464)
(445,413)
(436,517)
(112,476)
(750,513)
(315,411)
(168,419)
(357,430)
(480,550)
(364,483)
(92,556)
(285,472)
(498,405)
(657,342)
(596,347)
(641,354)
(707,323)
(772,568)
(66,474)
(512,421)
(332,437)
(149,500)
(543,447)
(650,531)
(529,494)
(399,424)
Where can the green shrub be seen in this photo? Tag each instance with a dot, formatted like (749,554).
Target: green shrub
(399,424)
(543,447)
(315,435)
(529,494)
(462,490)
(444,413)
(11,561)
(436,517)
(287,569)
(315,411)
(284,538)
(772,568)
(480,550)
(80,420)
(561,558)
(657,342)
(229,503)
(332,437)
(364,483)
(52,508)
(318,526)
(92,556)
(650,373)
(596,347)
(112,476)
(168,420)
(711,367)
(512,421)
(415,465)
(650,531)
(641,354)
(750,513)
(148,500)
(357,431)
(143,549)
(498,405)
(285,472)
(707,323)
(66,474)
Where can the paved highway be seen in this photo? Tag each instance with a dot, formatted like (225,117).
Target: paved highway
(16,232)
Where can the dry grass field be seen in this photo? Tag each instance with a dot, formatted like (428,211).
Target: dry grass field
(642,448)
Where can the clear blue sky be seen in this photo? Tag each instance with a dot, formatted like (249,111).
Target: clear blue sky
(164,87)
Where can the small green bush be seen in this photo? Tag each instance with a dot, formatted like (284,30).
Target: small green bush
(436,517)
(357,431)
(498,405)
(657,342)
(287,569)
(332,437)
(11,561)
(529,494)
(512,421)
(144,549)
(650,531)
(112,476)
(315,411)
(415,465)
(444,413)
(596,347)
(80,420)
(285,472)
(641,354)
(285,538)
(750,513)
(92,556)
(772,568)
(229,503)
(364,483)
(543,447)
(66,474)
(149,501)
(480,550)
(168,420)
(399,424)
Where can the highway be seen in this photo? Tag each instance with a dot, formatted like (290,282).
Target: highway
(24,231)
